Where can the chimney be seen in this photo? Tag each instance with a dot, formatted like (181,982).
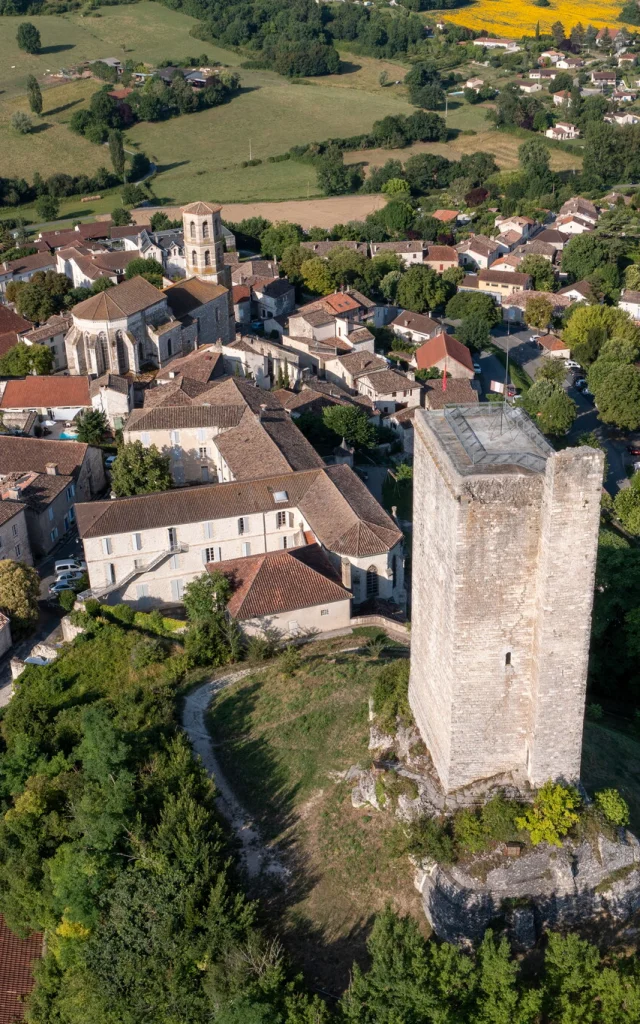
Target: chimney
(346,573)
(394,512)
(172,374)
(13,493)
(52,468)
(411,375)
(263,409)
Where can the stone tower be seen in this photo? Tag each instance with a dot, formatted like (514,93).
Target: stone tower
(203,245)
(504,550)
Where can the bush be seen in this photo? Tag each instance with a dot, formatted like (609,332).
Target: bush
(175,669)
(264,645)
(290,660)
(92,607)
(147,652)
(376,645)
(553,814)
(499,818)
(427,837)
(469,832)
(612,806)
(67,599)
(156,621)
(122,613)
(390,694)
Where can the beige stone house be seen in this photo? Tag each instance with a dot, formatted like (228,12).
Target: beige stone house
(496,283)
(54,398)
(410,253)
(49,477)
(261,359)
(51,334)
(345,369)
(147,548)
(389,390)
(290,591)
(415,328)
(14,537)
(23,269)
(112,395)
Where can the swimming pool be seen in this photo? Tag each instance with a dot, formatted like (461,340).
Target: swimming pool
(69,435)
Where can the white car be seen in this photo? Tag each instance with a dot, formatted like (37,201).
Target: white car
(572,365)
(70,577)
(69,565)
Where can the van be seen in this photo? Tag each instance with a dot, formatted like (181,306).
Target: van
(69,565)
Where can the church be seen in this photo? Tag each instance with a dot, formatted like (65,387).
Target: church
(135,325)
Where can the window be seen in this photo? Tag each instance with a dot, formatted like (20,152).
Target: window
(207,258)
(280,496)
(283,542)
(204,474)
(17,551)
(201,434)
(324,611)
(168,346)
(194,258)
(205,229)
(208,530)
(291,520)
(394,570)
(71,514)
(281,519)
(203,452)
(177,587)
(107,546)
(142,590)
(174,562)
(137,542)
(145,437)
(211,555)
(50,514)
(242,525)
(507,658)
(71,492)
(54,535)
(246,549)
(138,564)
(111,572)
(0,543)
(172,537)
(372,581)
(192,230)
(175,436)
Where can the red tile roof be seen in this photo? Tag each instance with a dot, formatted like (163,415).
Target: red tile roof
(280,581)
(40,392)
(443,346)
(553,343)
(446,216)
(241,293)
(11,322)
(16,978)
(340,302)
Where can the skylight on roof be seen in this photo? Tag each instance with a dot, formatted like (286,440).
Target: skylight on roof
(280,496)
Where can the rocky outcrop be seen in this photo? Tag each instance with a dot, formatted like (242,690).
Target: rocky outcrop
(549,887)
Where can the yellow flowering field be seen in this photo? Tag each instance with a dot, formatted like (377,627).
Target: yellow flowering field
(514,17)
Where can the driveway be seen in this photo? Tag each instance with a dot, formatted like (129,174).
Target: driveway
(520,346)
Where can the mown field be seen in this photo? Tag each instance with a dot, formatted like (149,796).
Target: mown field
(518,17)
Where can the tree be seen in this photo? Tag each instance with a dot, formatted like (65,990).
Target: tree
(206,596)
(350,423)
(140,470)
(557,31)
(19,593)
(589,252)
(396,187)
(23,359)
(333,177)
(473,304)
(553,814)
(21,123)
(474,332)
(116,152)
(47,208)
(150,269)
(552,370)
(42,296)
(541,271)
(120,216)
(538,312)
(316,276)
(422,290)
(591,328)
(275,238)
(550,407)
(34,95)
(92,426)
(28,37)
(347,266)
(618,397)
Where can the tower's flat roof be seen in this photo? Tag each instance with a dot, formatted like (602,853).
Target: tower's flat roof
(489,437)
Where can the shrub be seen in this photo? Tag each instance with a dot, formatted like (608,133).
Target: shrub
(553,814)
(376,645)
(156,621)
(290,660)
(122,613)
(594,712)
(264,645)
(499,818)
(427,837)
(175,669)
(92,607)
(147,652)
(468,831)
(614,807)
(67,599)
(390,694)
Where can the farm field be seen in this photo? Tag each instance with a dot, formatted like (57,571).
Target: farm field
(509,18)
(309,213)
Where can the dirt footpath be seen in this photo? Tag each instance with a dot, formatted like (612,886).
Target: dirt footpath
(309,213)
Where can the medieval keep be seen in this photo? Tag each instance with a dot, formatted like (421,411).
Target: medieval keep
(504,554)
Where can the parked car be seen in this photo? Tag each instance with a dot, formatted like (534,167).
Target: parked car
(70,577)
(476,368)
(580,384)
(572,365)
(633,449)
(109,461)
(69,565)
(60,585)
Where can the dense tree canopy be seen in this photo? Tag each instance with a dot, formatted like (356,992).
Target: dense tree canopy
(140,470)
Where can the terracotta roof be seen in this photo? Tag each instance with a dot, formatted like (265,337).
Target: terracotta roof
(17,957)
(12,323)
(253,268)
(629,295)
(19,454)
(342,513)
(280,581)
(38,392)
(458,392)
(109,380)
(443,346)
(357,363)
(38,490)
(180,391)
(520,299)
(8,509)
(241,293)
(128,230)
(268,443)
(415,322)
(185,296)
(340,302)
(441,252)
(201,365)
(38,261)
(552,235)
(553,343)
(583,287)
(201,209)
(446,216)
(120,301)
(275,288)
